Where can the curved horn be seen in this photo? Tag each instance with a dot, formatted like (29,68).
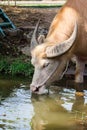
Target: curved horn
(61,48)
(34,41)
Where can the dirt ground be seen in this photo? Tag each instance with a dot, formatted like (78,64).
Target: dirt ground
(25,19)
(29,16)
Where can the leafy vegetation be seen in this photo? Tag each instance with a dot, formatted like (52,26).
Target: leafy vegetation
(16,66)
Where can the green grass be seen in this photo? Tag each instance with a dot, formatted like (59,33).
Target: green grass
(16,66)
(40,5)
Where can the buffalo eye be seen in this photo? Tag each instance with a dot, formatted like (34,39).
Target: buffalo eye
(45,65)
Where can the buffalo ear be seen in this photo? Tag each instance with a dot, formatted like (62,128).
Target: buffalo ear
(41,39)
(61,48)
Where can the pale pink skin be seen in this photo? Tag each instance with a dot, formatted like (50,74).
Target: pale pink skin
(60,30)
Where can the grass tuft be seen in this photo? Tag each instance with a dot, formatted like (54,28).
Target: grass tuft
(16,66)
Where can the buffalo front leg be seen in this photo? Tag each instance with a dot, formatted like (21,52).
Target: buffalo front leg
(79,74)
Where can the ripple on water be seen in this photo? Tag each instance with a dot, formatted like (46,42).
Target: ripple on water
(61,109)
(16,111)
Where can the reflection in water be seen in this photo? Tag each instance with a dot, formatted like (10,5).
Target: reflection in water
(62,109)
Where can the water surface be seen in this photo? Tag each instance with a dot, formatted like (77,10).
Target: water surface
(61,109)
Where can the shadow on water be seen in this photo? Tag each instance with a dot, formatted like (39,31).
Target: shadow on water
(62,109)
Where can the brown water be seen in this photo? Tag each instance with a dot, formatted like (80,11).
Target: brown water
(62,109)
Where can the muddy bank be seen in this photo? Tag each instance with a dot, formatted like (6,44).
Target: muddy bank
(25,20)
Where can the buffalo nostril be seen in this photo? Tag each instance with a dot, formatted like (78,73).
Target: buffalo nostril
(32,88)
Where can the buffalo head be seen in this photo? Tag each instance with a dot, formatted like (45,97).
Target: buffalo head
(49,60)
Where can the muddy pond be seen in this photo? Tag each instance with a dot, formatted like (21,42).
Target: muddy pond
(61,109)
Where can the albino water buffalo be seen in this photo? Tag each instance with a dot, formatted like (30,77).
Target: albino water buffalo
(67,37)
